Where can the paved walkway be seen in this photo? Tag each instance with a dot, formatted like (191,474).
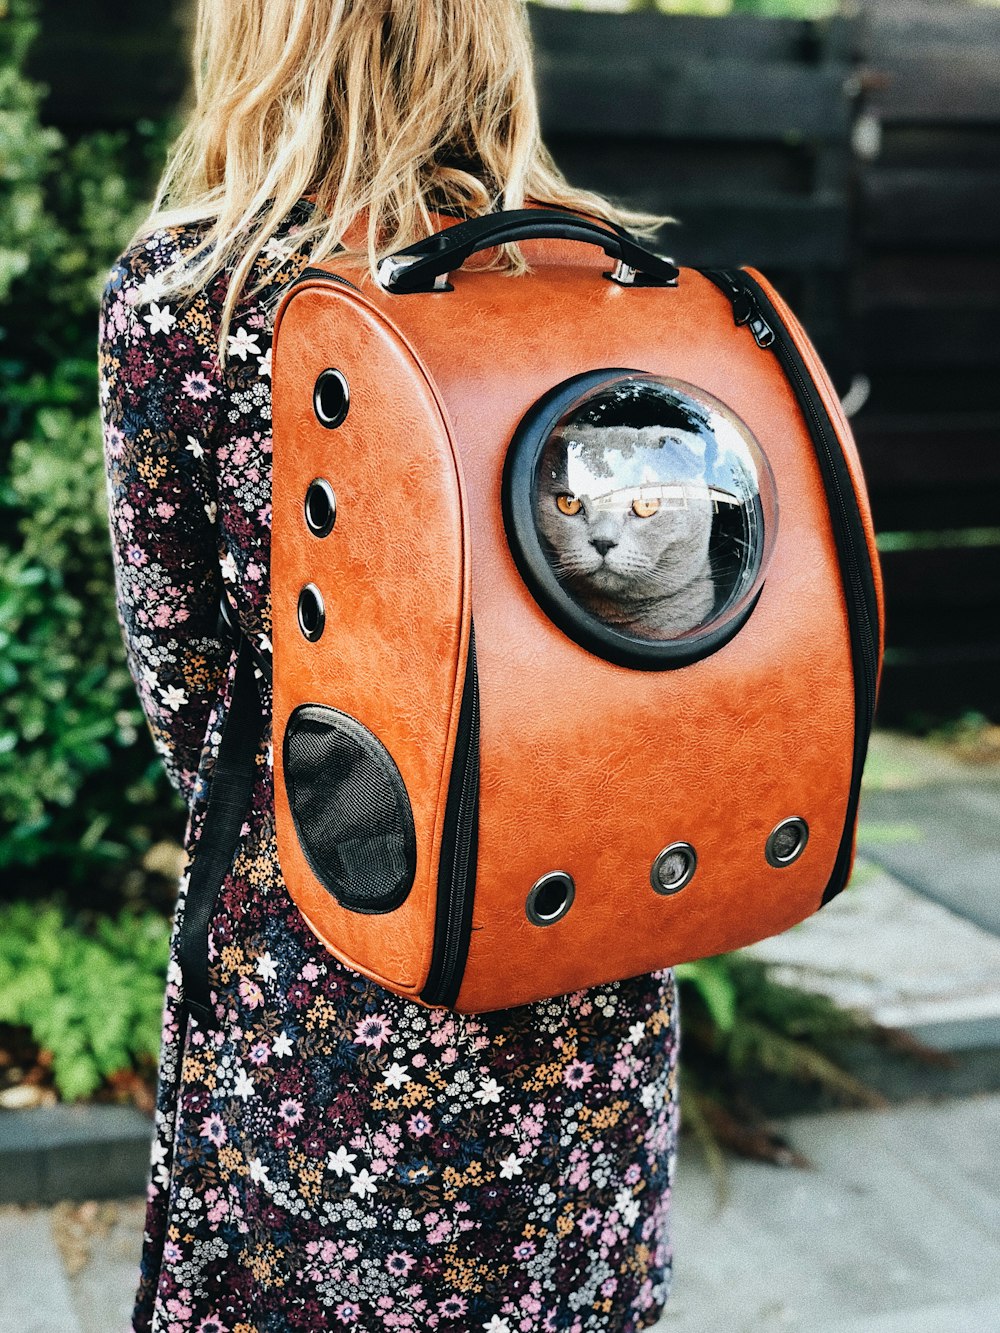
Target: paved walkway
(895,1229)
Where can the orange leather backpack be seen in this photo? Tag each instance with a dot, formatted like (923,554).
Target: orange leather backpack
(577,616)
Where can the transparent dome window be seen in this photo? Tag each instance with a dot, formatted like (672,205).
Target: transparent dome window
(650,516)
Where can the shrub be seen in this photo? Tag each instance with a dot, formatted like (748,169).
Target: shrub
(80,788)
(91,998)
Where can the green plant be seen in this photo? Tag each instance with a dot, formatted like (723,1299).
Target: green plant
(740,1028)
(90,997)
(80,788)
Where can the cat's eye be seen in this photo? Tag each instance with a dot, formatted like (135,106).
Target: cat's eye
(645,508)
(568,504)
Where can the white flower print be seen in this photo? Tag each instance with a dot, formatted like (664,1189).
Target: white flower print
(510,1167)
(266,968)
(160,319)
(341,1161)
(244,1085)
(258,1172)
(497,1325)
(173,697)
(241,343)
(636,1033)
(282,1046)
(395,1076)
(150,289)
(264,363)
(363,1184)
(194,446)
(488,1091)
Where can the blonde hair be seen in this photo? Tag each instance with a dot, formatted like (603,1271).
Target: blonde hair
(380,110)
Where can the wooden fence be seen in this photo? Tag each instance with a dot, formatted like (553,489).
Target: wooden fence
(749,131)
(740,129)
(927,294)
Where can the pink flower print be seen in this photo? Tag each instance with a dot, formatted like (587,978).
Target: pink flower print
(196,386)
(453,1307)
(419,1124)
(115,441)
(250,993)
(590,1221)
(214,1130)
(576,1074)
(172,1252)
(419,1060)
(137,556)
(165,510)
(372,1031)
(213,1324)
(347,1312)
(290,1111)
(260,1054)
(400,1263)
(525,1250)
(310,972)
(633,1174)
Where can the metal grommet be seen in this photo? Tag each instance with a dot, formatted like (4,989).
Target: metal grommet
(786,842)
(331,399)
(550,898)
(312,612)
(673,868)
(320,507)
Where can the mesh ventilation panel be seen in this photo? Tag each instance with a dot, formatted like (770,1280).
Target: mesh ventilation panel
(350,808)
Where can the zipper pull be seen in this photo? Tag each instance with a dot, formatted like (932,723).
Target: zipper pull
(746,311)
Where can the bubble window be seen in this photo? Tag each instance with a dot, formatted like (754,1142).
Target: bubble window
(642,514)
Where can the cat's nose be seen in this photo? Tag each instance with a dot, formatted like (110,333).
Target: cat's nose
(602,545)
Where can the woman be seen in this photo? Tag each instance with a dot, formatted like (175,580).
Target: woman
(331,1155)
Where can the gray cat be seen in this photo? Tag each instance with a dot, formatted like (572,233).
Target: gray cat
(626,516)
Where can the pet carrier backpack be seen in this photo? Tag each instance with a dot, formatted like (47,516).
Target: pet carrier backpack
(577,618)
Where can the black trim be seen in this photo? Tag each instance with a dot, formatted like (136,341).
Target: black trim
(230,789)
(517,490)
(752,307)
(459,852)
(367,740)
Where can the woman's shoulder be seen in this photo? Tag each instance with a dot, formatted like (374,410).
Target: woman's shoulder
(143,268)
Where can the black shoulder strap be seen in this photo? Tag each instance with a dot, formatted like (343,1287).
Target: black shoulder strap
(229,795)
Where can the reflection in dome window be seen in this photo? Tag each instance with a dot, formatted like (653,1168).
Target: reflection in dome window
(653,508)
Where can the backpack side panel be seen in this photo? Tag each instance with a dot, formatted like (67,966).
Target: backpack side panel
(393,575)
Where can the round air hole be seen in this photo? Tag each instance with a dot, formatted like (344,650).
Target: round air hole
(786,842)
(320,508)
(674,868)
(312,612)
(331,399)
(550,898)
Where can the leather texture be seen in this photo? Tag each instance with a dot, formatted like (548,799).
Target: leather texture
(394,577)
(586,767)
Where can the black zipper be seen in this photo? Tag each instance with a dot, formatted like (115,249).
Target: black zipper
(308,274)
(752,307)
(459,851)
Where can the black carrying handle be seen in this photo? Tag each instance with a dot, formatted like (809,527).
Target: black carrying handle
(422,266)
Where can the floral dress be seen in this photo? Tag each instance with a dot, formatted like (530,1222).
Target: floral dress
(330,1155)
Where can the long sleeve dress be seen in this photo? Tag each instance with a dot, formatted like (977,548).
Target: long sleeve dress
(331,1155)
